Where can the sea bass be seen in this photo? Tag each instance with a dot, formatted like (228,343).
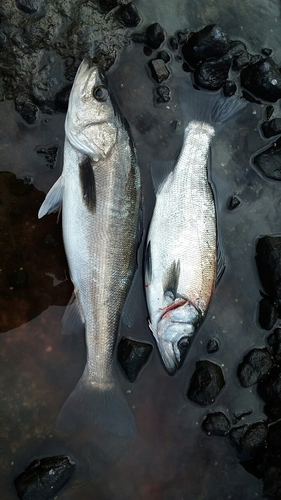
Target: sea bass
(99,191)
(181,253)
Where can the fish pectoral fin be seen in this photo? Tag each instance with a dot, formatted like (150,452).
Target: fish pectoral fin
(147,266)
(53,200)
(72,320)
(170,281)
(88,183)
(220,263)
(160,171)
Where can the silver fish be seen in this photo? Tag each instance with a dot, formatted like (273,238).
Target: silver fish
(181,252)
(99,191)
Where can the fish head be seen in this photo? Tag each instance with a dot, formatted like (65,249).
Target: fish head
(174,330)
(92,122)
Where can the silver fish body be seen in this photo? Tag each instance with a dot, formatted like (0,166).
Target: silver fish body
(100,193)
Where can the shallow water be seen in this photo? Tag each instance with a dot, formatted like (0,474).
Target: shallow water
(171,458)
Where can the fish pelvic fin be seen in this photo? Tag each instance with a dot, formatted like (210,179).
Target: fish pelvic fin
(101,404)
(53,200)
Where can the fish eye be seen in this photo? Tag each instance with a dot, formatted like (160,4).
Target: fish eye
(100,93)
(183,343)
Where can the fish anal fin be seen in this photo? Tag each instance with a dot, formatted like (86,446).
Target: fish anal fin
(53,200)
(88,183)
(147,265)
(171,279)
(72,320)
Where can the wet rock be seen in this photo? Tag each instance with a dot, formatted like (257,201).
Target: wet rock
(266,51)
(183,36)
(262,79)
(268,258)
(245,59)
(155,36)
(62,98)
(271,128)
(173,42)
(272,483)
(268,161)
(216,424)
(233,202)
(107,5)
(147,51)
(212,75)
(128,15)
(274,340)
(269,389)
(159,70)
(212,346)
(236,49)
(29,6)
(51,155)
(164,55)
(238,415)
(132,356)
(206,383)
(255,365)
(28,111)
(211,42)
(163,94)
(229,88)
(267,314)
(249,439)
(43,478)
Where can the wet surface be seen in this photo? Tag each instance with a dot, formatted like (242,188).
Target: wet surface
(171,457)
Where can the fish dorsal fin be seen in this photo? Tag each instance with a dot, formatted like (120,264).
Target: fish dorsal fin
(170,281)
(72,321)
(53,200)
(160,171)
(147,265)
(220,263)
(88,183)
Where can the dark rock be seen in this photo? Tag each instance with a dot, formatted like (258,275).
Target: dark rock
(236,48)
(269,389)
(51,155)
(147,51)
(216,424)
(139,38)
(163,94)
(128,15)
(233,202)
(229,88)
(244,60)
(28,111)
(213,74)
(268,258)
(274,340)
(266,51)
(43,478)
(212,41)
(106,6)
(183,36)
(62,98)
(267,314)
(255,365)
(29,6)
(164,55)
(175,125)
(268,161)
(173,42)
(238,415)
(159,70)
(272,483)
(155,36)
(236,433)
(269,111)
(262,79)
(132,356)
(206,383)
(212,346)
(252,440)
(271,128)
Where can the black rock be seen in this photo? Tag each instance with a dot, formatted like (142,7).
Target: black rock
(62,98)
(216,424)
(29,6)
(173,42)
(28,111)
(206,383)
(159,70)
(267,314)
(233,202)
(51,155)
(43,478)
(269,389)
(236,433)
(262,79)
(128,15)
(245,59)
(212,75)
(155,36)
(210,42)
(165,56)
(268,258)
(266,51)
(255,365)
(132,356)
(238,415)
(147,51)
(212,346)
(274,340)
(236,49)
(274,442)
(163,94)
(183,36)
(268,161)
(271,128)
(106,6)
(229,88)
(272,483)
(251,441)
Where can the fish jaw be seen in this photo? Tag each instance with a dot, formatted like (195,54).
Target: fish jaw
(172,330)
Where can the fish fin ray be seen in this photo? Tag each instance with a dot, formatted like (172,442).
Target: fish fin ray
(53,199)
(159,172)
(132,300)
(171,278)
(72,320)
(88,405)
(88,183)
(147,265)
(220,263)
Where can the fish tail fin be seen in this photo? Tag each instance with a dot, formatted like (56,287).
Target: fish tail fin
(210,107)
(93,403)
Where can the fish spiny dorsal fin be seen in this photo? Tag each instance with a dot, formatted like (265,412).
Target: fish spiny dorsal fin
(171,279)
(88,183)
(147,265)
